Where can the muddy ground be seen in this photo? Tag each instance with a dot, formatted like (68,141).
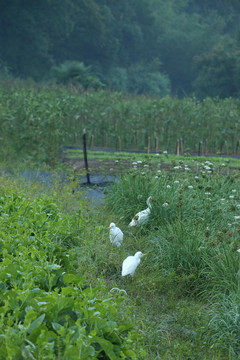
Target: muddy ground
(104,167)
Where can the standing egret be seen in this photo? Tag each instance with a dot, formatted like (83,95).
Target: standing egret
(116,235)
(130,264)
(142,216)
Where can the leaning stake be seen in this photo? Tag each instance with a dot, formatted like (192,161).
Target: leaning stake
(85,155)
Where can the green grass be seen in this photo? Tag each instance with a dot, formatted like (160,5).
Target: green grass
(184,289)
(54,245)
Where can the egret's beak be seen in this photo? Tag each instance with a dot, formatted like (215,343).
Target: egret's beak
(108,227)
(144,255)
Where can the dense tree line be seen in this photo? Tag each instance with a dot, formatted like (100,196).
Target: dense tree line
(144,46)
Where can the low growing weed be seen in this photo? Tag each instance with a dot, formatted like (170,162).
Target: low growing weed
(47,310)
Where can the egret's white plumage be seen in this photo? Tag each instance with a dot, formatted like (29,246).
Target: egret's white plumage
(142,216)
(238,250)
(116,235)
(130,264)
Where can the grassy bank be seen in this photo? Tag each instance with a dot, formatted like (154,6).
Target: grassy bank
(183,301)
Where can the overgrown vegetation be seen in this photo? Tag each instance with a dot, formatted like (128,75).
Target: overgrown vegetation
(142,47)
(61,290)
(61,281)
(37,121)
(192,236)
(48,309)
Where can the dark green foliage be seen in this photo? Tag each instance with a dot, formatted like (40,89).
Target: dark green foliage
(75,72)
(48,310)
(218,71)
(120,39)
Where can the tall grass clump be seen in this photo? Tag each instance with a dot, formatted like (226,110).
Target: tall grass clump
(223,330)
(222,272)
(191,236)
(194,212)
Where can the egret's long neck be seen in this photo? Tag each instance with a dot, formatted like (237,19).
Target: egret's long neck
(148,203)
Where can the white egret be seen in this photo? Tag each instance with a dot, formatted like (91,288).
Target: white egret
(116,235)
(142,216)
(130,264)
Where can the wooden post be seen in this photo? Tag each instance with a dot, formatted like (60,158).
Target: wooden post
(206,147)
(156,145)
(237,145)
(177,146)
(199,148)
(85,156)
(181,145)
(134,142)
(106,141)
(221,147)
(92,141)
(227,153)
(148,145)
(119,143)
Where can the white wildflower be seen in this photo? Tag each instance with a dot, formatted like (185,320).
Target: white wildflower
(165,204)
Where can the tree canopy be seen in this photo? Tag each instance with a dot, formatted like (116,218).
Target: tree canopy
(142,46)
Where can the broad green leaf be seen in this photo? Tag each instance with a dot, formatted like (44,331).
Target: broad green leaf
(72,279)
(107,346)
(130,353)
(36,323)
(54,267)
(56,326)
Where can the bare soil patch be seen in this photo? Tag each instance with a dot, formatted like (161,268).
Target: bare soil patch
(104,167)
